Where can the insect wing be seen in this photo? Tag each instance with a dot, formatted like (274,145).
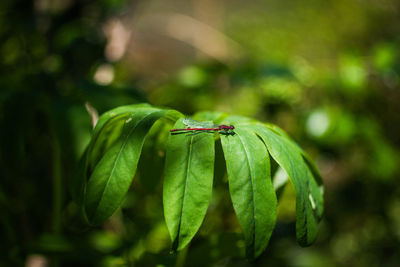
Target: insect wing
(191,123)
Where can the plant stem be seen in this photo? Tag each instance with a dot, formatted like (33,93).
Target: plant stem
(181,258)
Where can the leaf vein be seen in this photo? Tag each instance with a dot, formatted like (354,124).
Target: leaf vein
(252,187)
(185,187)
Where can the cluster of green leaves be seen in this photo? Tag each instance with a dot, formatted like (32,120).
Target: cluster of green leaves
(110,162)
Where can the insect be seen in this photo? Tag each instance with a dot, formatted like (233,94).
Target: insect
(196,127)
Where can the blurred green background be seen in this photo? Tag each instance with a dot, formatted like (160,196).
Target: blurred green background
(327,72)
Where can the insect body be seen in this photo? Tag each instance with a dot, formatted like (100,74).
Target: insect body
(195,127)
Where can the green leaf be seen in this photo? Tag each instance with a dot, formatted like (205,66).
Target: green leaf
(114,173)
(315,178)
(104,136)
(152,160)
(313,168)
(309,201)
(251,188)
(316,183)
(109,128)
(187,184)
(117,111)
(316,187)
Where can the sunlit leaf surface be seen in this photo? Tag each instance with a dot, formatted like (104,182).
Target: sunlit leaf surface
(189,171)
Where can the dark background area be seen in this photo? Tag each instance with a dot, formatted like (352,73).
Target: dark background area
(327,72)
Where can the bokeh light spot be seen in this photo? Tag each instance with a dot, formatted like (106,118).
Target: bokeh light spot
(317,123)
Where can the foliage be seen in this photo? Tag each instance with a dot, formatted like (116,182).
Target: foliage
(325,72)
(112,156)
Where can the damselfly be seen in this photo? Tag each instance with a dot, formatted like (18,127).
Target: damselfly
(195,127)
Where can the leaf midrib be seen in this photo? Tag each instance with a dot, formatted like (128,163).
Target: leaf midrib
(252,188)
(184,188)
